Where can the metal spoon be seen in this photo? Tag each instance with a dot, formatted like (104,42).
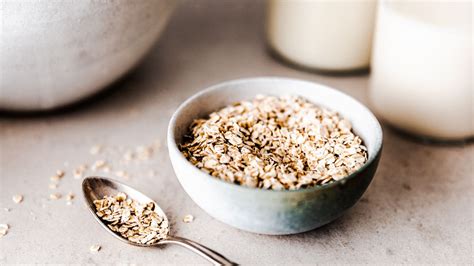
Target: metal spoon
(97,187)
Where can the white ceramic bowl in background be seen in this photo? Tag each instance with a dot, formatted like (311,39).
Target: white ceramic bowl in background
(53,53)
(268,211)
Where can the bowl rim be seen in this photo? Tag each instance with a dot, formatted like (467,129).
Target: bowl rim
(173,146)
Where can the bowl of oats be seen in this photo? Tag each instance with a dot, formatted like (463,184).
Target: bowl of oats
(274,155)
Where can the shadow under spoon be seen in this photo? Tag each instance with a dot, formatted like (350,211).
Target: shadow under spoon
(95,188)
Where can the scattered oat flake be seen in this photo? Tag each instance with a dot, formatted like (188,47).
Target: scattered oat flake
(7,209)
(78,173)
(3,231)
(99,164)
(188,218)
(17,198)
(4,226)
(95,248)
(60,173)
(70,196)
(55,178)
(55,196)
(53,186)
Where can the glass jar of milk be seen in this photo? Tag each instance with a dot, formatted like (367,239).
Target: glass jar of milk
(422,79)
(334,36)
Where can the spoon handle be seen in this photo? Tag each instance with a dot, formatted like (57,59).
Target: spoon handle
(210,255)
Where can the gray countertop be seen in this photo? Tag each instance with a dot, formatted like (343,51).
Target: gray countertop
(418,209)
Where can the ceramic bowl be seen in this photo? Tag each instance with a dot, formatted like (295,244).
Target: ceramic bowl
(54,53)
(268,211)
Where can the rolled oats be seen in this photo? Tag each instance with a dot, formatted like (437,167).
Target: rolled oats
(94,248)
(275,143)
(70,196)
(17,198)
(99,164)
(55,196)
(55,178)
(60,173)
(188,218)
(132,220)
(3,231)
(79,171)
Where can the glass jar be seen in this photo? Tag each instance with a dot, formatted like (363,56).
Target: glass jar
(331,36)
(421,80)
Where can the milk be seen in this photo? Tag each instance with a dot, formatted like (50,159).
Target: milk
(327,35)
(421,79)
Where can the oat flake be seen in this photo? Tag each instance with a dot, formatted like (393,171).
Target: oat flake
(55,196)
(70,196)
(3,231)
(188,218)
(95,248)
(17,198)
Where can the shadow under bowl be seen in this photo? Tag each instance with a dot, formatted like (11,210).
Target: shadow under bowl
(274,212)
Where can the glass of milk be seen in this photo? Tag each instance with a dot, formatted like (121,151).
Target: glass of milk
(422,79)
(332,36)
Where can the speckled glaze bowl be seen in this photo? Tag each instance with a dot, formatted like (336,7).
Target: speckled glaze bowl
(267,211)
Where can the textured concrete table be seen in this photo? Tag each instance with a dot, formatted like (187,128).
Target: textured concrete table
(419,208)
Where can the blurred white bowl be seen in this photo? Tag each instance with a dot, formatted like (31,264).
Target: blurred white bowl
(53,53)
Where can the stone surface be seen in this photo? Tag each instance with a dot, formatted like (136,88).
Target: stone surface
(417,210)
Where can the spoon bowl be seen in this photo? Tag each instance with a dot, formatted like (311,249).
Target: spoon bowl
(95,188)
